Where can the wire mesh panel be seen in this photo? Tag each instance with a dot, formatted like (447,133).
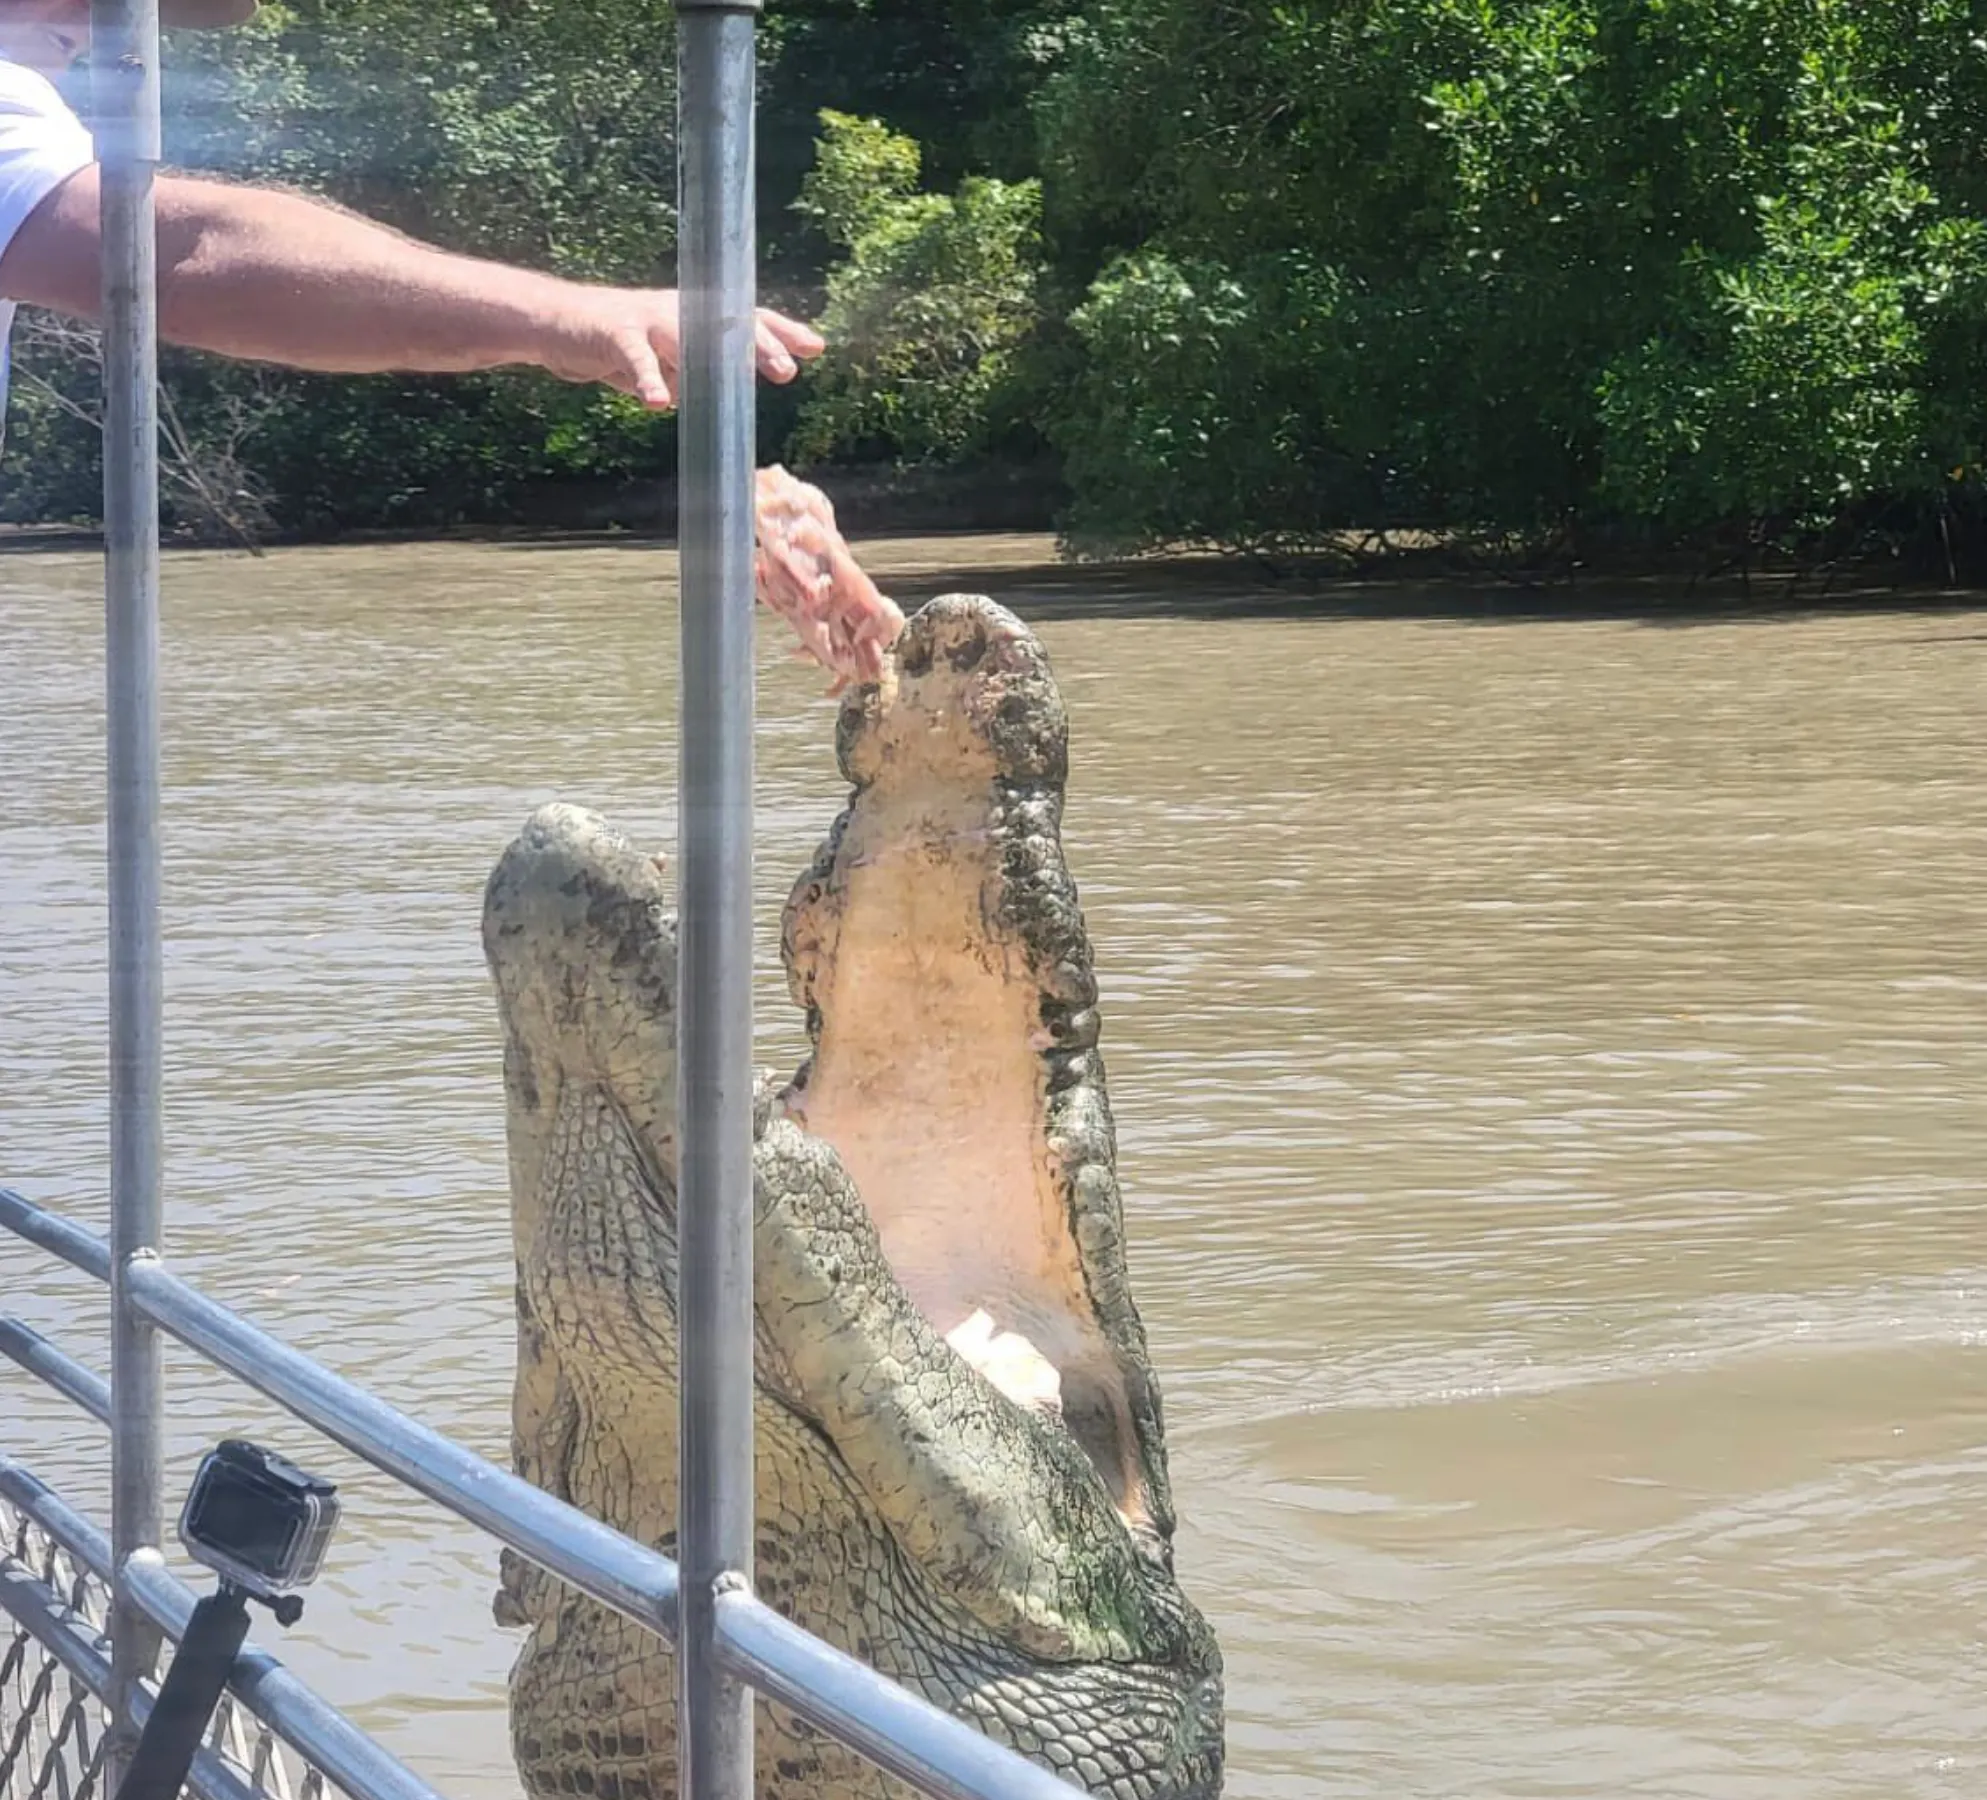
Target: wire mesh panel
(268,1764)
(52,1727)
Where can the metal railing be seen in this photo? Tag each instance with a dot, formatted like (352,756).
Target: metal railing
(730,1645)
(754,1645)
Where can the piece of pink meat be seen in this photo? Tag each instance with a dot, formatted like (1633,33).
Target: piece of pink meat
(808,576)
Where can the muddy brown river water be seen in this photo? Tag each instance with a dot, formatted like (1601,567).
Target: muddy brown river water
(1550,1060)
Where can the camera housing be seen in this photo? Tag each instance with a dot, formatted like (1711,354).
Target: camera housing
(258,1520)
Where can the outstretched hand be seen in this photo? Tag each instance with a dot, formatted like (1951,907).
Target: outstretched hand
(632,339)
(808,576)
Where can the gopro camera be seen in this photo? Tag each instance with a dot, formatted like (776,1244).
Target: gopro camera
(262,1525)
(258,1520)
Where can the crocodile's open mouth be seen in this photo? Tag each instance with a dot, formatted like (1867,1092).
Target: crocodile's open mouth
(939,951)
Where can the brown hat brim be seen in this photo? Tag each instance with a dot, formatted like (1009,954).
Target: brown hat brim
(204,15)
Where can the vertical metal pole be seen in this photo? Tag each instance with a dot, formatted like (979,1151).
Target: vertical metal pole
(714,1021)
(125,36)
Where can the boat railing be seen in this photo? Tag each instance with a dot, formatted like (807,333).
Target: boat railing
(91,1611)
(64,1609)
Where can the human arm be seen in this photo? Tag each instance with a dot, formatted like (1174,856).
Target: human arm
(266,276)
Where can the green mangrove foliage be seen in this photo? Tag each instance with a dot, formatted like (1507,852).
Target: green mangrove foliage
(1664,265)
(1253,273)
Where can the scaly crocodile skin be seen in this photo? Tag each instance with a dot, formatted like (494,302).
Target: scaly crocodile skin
(1009,1562)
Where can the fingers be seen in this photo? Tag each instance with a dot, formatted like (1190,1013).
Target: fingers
(775,362)
(803,340)
(634,341)
(666,333)
(643,374)
(780,340)
(776,342)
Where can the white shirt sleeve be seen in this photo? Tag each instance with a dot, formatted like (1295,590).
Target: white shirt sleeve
(42,144)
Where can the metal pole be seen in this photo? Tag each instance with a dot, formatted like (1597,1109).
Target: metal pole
(126,43)
(714,1021)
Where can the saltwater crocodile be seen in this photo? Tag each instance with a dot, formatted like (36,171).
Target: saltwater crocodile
(961,1464)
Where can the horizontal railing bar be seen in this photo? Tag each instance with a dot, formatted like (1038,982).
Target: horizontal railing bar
(894,1728)
(55,1234)
(50,1623)
(618,1572)
(312,1727)
(29,1495)
(21,1343)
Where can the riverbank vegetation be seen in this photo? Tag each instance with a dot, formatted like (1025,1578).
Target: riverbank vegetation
(1250,274)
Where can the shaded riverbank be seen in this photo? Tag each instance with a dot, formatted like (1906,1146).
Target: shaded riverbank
(1027,570)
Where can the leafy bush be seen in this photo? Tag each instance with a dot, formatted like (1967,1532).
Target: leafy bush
(1802,379)
(927,310)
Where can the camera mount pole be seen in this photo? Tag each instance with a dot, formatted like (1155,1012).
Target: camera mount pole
(192,1689)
